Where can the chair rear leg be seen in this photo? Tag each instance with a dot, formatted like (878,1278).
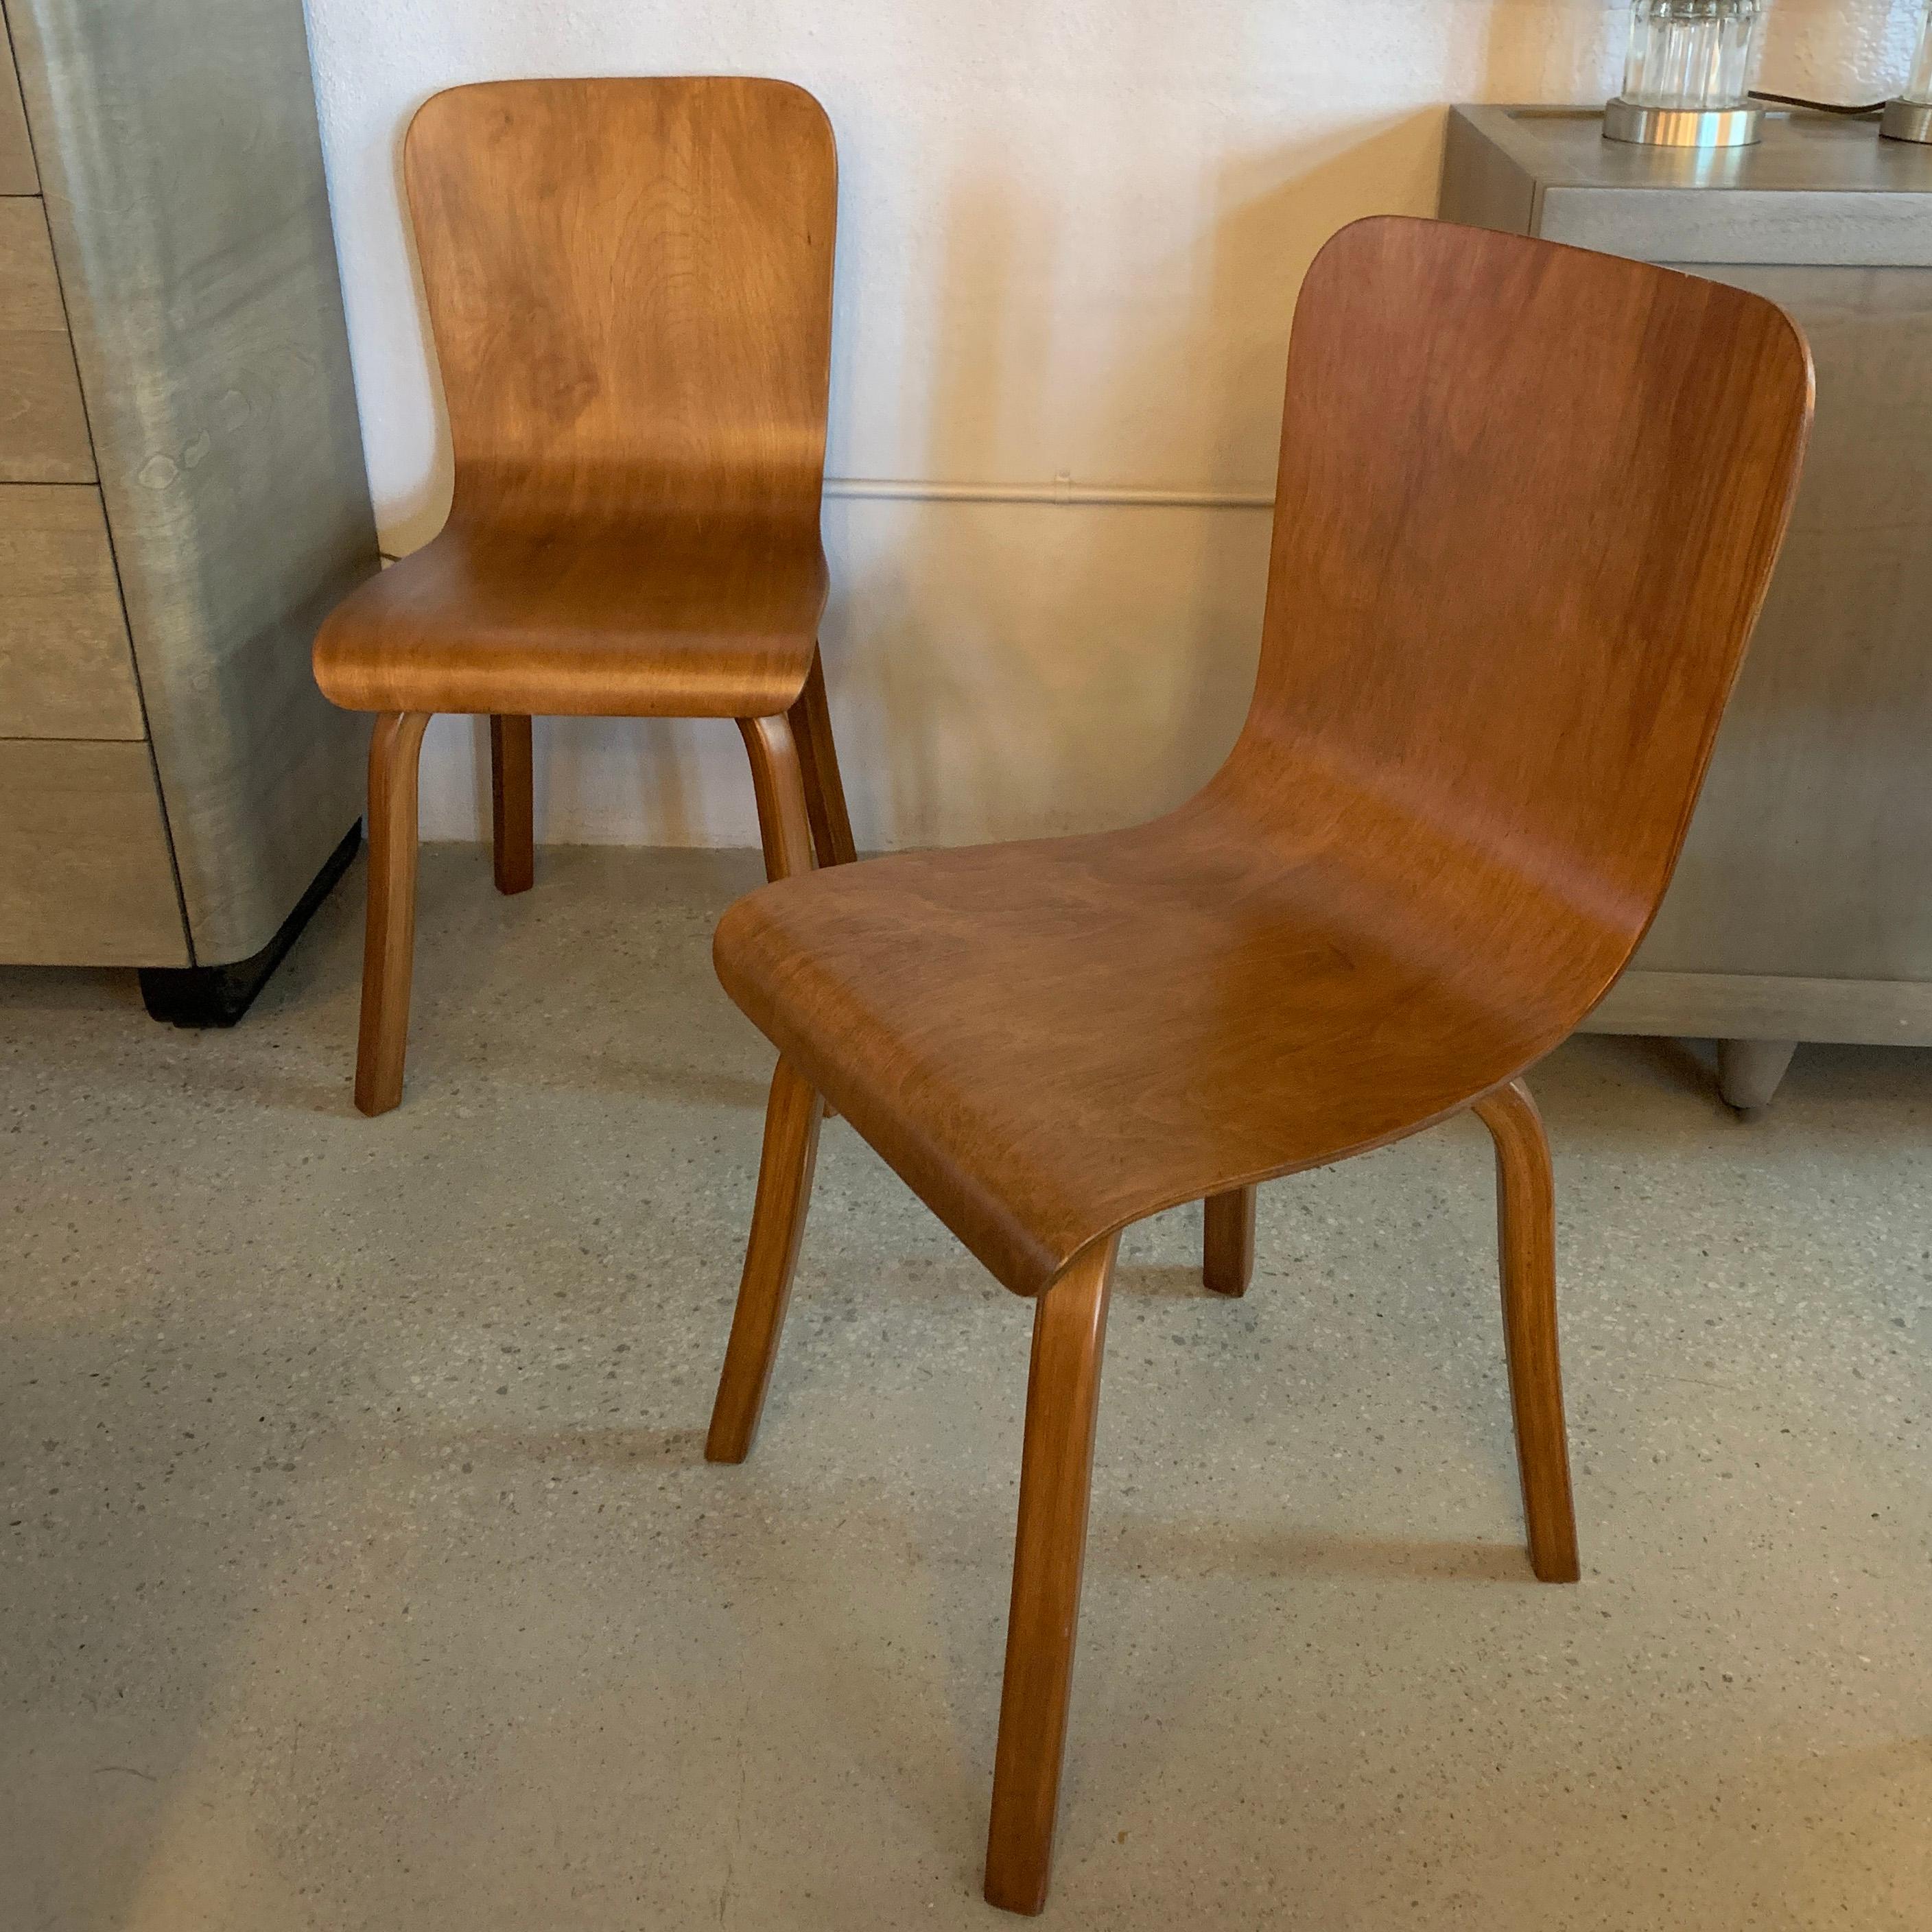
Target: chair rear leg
(824,789)
(771,1257)
(388,950)
(784,821)
(1056,1474)
(1228,1246)
(512,825)
(1526,1234)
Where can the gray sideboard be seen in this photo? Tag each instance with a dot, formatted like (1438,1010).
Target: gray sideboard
(182,495)
(1802,907)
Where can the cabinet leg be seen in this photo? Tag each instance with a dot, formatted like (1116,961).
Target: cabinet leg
(1749,1070)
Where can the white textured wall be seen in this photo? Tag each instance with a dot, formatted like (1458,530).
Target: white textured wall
(1071,234)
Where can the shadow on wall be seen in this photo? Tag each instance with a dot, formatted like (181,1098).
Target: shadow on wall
(1531,52)
(424,507)
(998,671)
(1003,670)
(580,761)
(420,515)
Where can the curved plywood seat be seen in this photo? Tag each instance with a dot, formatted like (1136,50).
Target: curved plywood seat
(1528,503)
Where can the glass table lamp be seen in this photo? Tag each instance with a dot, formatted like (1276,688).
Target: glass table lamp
(1687,79)
(1910,118)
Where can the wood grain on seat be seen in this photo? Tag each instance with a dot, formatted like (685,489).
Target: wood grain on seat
(1529,501)
(660,621)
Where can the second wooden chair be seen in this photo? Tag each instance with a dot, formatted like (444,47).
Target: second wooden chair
(629,284)
(1527,504)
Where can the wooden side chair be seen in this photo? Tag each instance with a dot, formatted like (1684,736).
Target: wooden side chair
(629,285)
(1529,498)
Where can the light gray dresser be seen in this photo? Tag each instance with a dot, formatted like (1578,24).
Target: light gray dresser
(182,496)
(1802,908)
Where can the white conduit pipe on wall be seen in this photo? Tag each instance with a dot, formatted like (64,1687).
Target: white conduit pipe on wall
(1062,489)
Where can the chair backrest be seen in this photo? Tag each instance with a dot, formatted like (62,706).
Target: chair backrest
(630,287)
(1529,500)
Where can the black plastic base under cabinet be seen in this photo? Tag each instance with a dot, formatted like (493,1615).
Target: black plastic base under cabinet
(218,996)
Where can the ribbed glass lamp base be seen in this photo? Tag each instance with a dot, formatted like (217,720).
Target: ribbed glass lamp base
(1682,127)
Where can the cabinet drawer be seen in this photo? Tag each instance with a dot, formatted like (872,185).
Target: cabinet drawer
(66,669)
(86,878)
(16,153)
(43,427)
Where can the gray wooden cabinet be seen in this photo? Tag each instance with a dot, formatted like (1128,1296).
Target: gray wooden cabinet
(182,495)
(1802,907)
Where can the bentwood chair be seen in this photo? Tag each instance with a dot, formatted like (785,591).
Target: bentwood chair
(1529,501)
(629,285)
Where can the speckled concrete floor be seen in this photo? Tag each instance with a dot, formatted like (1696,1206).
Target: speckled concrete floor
(361,1568)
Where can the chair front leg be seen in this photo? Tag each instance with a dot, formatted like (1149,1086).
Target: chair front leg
(512,809)
(1526,1235)
(389,949)
(784,823)
(771,1257)
(1056,1474)
(824,789)
(1228,1244)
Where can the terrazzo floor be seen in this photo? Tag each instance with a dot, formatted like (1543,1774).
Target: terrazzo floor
(359,1566)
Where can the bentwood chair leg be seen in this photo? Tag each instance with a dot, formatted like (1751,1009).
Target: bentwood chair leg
(1056,1474)
(778,1221)
(388,946)
(824,789)
(1228,1249)
(1526,1234)
(778,777)
(511,810)
(784,822)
